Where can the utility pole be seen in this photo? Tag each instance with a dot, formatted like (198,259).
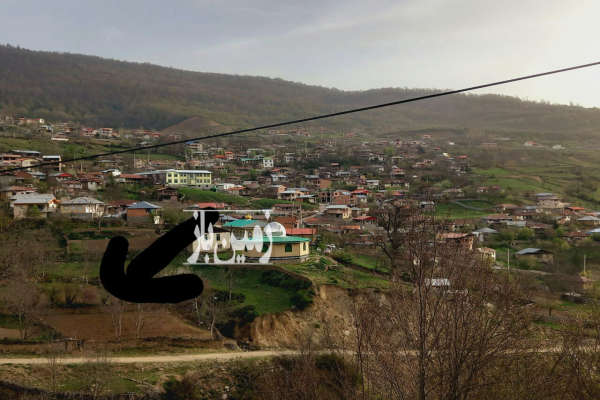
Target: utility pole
(508,260)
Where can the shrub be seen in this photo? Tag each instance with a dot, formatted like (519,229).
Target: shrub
(525,234)
(180,390)
(302,298)
(245,315)
(342,257)
(282,280)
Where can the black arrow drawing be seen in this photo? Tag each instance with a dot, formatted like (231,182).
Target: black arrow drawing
(138,284)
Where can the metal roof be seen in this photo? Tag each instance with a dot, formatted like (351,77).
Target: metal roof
(281,239)
(34,198)
(242,223)
(82,200)
(143,205)
(486,230)
(181,171)
(531,250)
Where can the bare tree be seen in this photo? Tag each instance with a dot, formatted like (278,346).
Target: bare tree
(23,300)
(139,320)
(96,374)
(578,364)
(437,337)
(53,355)
(116,308)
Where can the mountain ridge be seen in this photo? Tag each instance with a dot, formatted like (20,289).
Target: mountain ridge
(104,92)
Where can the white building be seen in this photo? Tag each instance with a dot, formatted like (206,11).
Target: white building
(181,177)
(267,162)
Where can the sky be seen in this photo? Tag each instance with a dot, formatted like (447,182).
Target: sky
(349,45)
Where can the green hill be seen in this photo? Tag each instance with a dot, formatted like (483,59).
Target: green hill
(99,91)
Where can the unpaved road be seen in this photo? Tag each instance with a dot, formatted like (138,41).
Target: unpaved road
(228,356)
(225,356)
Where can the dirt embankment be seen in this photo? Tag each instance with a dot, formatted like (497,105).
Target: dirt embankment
(330,317)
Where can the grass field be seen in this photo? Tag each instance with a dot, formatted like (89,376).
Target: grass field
(370,262)
(202,196)
(265,298)
(337,275)
(454,211)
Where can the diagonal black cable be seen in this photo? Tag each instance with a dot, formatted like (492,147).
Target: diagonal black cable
(315,118)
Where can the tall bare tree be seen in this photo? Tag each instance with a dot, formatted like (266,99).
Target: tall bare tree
(23,299)
(436,337)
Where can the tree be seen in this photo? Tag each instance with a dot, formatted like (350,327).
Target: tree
(392,218)
(139,320)
(440,336)
(23,299)
(116,308)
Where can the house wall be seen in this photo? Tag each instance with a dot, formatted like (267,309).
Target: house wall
(88,210)
(138,217)
(221,241)
(20,210)
(137,212)
(299,250)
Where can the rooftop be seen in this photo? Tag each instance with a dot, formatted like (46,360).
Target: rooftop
(34,198)
(144,205)
(82,200)
(243,223)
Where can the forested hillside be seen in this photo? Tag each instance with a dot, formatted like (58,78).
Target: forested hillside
(99,91)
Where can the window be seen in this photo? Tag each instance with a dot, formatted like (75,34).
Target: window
(304,245)
(265,247)
(288,248)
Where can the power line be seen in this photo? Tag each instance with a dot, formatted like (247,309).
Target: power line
(315,118)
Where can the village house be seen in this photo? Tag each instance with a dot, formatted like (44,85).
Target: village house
(282,248)
(292,194)
(550,203)
(487,254)
(176,178)
(55,159)
(142,213)
(577,235)
(82,207)
(220,240)
(244,226)
(131,178)
(536,254)
(288,221)
(338,211)
(464,240)
(308,233)
(34,205)
(482,233)
(273,191)
(506,207)
(589,220)
(453,193)
(8,192)
(574,210)
(497,218)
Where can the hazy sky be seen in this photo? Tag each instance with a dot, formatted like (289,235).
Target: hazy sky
(346,44)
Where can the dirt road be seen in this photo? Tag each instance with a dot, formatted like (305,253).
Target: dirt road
(227,356)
